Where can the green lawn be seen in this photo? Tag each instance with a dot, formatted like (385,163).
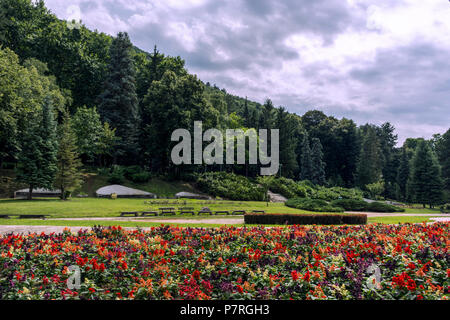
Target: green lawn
(134,224)
(93,207)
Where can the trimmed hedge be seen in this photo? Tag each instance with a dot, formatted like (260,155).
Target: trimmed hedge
(361,205)
(303,219)
(315,205)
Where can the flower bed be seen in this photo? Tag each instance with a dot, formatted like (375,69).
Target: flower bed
(319,262)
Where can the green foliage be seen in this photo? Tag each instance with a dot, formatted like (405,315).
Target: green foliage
(375,189)
(443,152)
(312,205)
(306,164)
(318,166)
(117,175)
(22,92)
(118,101)
(229,186)
(38,149)
(403,176)
(68,175)
(369,165)
(425,183)
(383,207)
(361,205)
(350,204)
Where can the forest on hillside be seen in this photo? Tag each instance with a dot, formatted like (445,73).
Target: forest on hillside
(72,97)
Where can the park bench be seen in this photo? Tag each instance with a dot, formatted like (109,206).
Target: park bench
(185,210)
(123,214)
(238,212)
(205,210)
(33,216)
(258,211)
(223,212)
(167,211)
(6,216)
(148,213)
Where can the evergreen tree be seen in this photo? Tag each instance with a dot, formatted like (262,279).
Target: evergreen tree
(369,164)
(403,175)
(443,151)
(318,166)
(425,183)
(36,165)
(306,165)
(68,176)
(287,142)
(118,101)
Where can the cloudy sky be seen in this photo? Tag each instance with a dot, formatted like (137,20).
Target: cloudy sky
(369,60)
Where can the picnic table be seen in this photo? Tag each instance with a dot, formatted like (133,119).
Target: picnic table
(258,211)
(238,212)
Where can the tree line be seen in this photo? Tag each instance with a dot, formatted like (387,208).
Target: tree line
(72,97)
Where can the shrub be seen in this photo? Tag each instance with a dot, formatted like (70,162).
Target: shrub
(383,207)
(350,204)
(318,219)
(445,208)
(117,175)
(229,186)
(140,177)
(312,205)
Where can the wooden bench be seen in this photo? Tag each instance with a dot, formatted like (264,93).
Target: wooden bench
(123,214)
(186,210)
(226,212)
(6,216)
(238,212)
(258,211)
(167,211)
(33,216)
(205,211)
(148,213)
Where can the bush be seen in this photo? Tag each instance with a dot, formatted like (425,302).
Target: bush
(445,208)
(140,177)
(383,207)
(117,175)
(229,186)
(350,204)
(315,205)
(318,219)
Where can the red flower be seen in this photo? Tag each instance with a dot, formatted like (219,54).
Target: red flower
(306,276)
(294,275)
(240,289)
(92,290)
(196,274)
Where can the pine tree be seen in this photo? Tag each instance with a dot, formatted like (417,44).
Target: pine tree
(68,175)
(318,172)
(403,175)
(287,142)
(36,164)
(425,183)
(443,151)
(118,101)
(369,164)
(306,166)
